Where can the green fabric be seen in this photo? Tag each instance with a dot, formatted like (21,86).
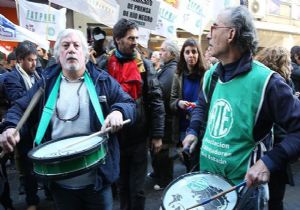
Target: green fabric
(51,102)
(47,112)
(235,105)
(94,97)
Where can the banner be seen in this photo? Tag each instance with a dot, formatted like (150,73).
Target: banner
(167,21)
(12,32)
(102,11)
(194,15)
(295,12)
(42,19)
(144,13)
(274,7)
(144,36)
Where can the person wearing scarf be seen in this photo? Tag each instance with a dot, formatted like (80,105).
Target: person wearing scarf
(138,78)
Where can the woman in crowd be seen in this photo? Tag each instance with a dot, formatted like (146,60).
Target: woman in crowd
(278,59)
(185,88)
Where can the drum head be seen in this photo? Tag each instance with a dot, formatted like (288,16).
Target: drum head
(65,148)
(194,188)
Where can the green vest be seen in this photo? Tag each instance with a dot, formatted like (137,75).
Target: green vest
(235,105)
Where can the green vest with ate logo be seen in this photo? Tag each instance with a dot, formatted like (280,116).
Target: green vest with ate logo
(235,105)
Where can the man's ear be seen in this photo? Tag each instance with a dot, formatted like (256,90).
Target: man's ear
(231,35)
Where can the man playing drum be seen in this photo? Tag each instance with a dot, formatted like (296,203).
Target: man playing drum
(74,111)
(246,100)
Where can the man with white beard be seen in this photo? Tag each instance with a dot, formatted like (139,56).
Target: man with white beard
(85,97)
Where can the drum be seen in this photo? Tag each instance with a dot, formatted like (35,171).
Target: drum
(64,158)
(193,188)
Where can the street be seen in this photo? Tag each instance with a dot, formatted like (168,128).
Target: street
(153,201)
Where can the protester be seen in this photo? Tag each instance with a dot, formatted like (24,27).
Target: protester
(155,58)
(162,162)
(74,79)
(16,84)
(98,51)
(11,61)
(184,93)
(245,102)
(295,57)
(278,59)
(42,57)
(138,78)
(210,60)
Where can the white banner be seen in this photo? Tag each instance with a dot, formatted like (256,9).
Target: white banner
(15,33)
(42,19)
(167,21)
(296,12)
(219,5)
(194,15)
(144,13)
(274,7)
(102,11)
(144,36)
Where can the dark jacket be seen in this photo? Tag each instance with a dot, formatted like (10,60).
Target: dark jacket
(279,106)
(117,99)
(14,85)
(296,76)
(15,88)
(165,78)
(150,109)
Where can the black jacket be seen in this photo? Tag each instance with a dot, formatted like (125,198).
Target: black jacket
(296,76)
(165,78)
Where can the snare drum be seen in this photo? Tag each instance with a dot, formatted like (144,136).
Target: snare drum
(193,188)
(64,158)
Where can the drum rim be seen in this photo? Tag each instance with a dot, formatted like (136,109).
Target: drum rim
(66,157)
(190,174)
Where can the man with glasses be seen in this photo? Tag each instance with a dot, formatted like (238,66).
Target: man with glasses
(244,99)
(86,96)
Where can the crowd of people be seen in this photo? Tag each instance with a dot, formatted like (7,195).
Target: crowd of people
(229,111)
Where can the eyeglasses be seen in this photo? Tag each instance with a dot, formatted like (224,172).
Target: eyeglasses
(76,116)
(213,27)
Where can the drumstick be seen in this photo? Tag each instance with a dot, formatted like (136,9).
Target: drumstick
(94,134)
(27,112)
(219,195)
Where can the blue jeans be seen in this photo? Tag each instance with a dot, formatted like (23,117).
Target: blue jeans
(88,198)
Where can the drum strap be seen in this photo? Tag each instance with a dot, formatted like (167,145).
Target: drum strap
(50,105)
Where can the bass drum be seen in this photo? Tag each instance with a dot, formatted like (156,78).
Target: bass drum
(193,188)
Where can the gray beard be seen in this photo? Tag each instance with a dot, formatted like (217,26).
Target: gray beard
(73,67)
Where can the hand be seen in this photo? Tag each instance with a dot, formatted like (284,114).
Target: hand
(297,94)
(257,174)
(183,104)
(92,53)
(8,140)
(156,145)
(113,120)
(190,141)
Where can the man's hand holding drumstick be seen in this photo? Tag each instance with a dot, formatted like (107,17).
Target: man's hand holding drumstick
(8,139)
